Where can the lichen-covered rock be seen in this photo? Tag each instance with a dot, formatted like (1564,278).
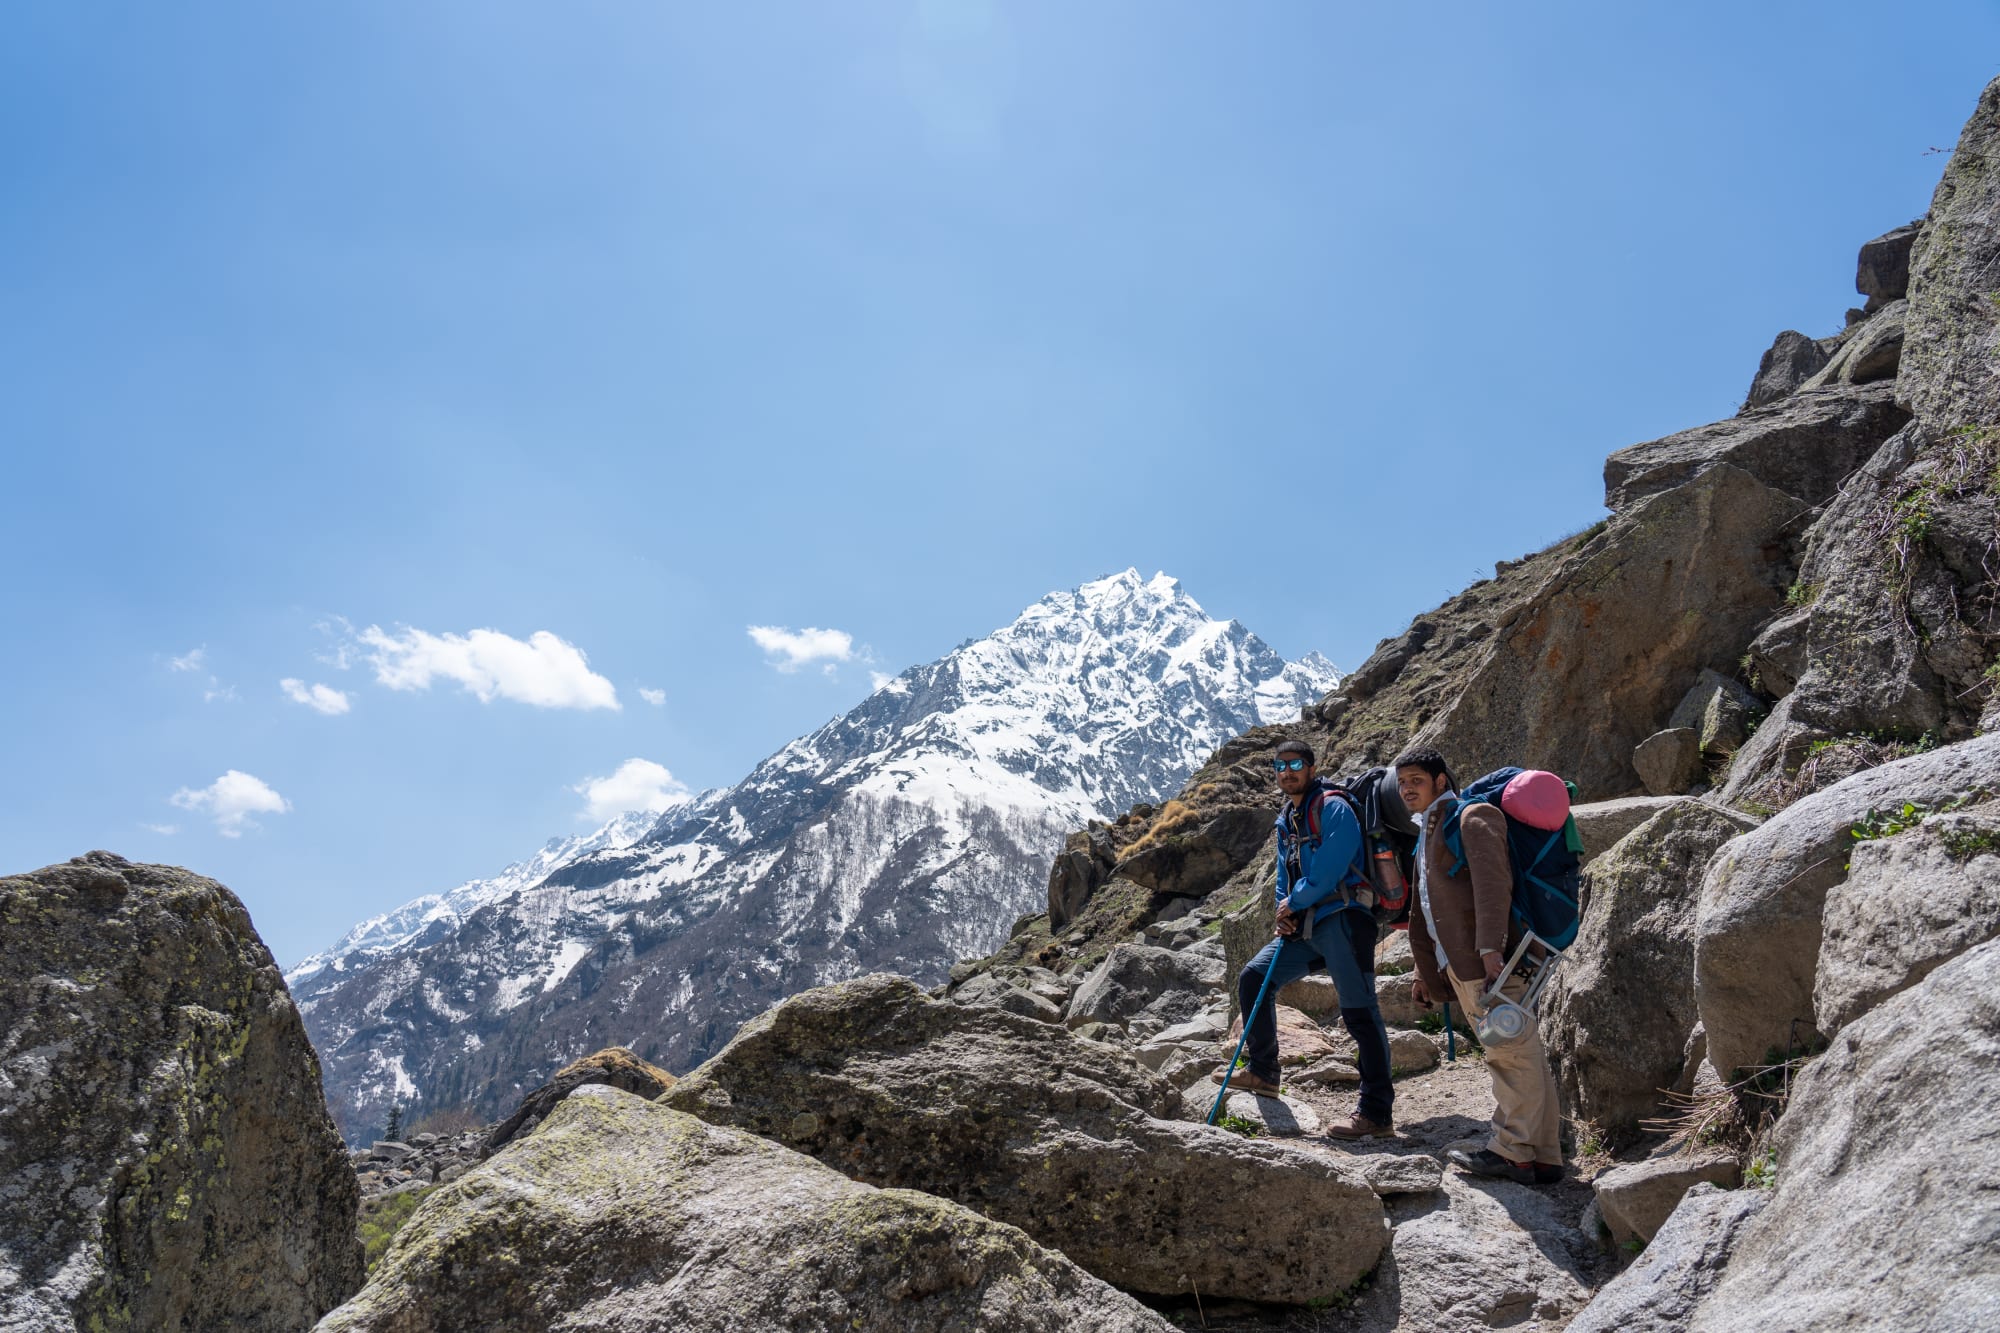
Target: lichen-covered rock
(1790,361)
(1870,352)
(1900,603)
(1143,980)
(1802,445)
(1757,934)
(617,1213)
(1617,1015)
(1884,1213)
(1953,333)
(166,1157)
(1069,1140)
(1909,904)
(1602,823)
(614,1065)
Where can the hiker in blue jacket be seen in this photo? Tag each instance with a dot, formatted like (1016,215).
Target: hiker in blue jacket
(1321,922)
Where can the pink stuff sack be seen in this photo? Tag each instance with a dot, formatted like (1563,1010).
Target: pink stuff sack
(1537,798)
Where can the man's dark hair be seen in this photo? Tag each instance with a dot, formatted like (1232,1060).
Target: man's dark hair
(1298,748)
(1425,757)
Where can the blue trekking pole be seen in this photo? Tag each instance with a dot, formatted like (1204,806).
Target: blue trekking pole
(1231,1071)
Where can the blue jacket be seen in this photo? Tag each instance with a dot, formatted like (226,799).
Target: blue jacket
(1330,870)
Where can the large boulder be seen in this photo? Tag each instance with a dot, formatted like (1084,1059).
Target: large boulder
(1080,868)
(620,1213)
(1802,444)
(1871,351)
(1679,1268)
(1884,1213)
(1475,1256)
(1618,1013)
(1719,711)
(1953,336)
(1882,270)
(1602,823)
(1582,672)
(1790,361)
(1195,861)
(166,1157)
(1757,935)
(1143,980)
(1909,904)
(1898,609)
(614,1065)
(1070,1140)
(1668,761)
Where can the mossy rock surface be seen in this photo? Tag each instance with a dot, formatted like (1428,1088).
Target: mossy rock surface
(166,1157)
(1068,1139)
(621,1213)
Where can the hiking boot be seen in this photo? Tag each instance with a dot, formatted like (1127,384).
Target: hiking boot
(1245,1081)
(1548,1173)
(1358,1126)
(1486,1162)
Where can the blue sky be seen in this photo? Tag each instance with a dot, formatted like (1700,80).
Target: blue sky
(639,326)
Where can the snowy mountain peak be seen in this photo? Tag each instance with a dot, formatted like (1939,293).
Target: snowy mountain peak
(907,833)
(424,918)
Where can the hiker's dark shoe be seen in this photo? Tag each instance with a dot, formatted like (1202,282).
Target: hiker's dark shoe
(1548,1173)
(1361,1127)
(1486,1162)
(1245,1081)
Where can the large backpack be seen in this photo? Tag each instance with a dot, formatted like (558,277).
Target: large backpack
(1545,863)
(1388,842)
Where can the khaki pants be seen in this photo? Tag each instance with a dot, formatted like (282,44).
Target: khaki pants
(1527,1125)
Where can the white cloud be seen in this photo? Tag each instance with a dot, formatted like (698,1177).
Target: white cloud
(639,784)
(319,698)
(193,661)
(164,830)
(340,631)
(231,799)
(543,671)
(788,650)
(218,692)
(657,698)
(877,679)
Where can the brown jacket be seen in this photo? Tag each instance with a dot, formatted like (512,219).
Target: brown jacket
(1473,907)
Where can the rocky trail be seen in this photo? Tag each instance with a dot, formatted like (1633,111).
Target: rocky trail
(1773,672)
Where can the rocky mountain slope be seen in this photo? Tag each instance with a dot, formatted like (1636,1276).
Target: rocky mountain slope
(1790,958)
(911,832)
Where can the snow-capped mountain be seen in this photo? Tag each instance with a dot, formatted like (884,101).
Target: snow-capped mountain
(424,920)
(904,835)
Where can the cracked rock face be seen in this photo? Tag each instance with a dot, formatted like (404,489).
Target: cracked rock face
(620,1213)
(166,1157)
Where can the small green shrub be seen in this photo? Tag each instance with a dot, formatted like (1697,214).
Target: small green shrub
(1799,594)
(1762,1173)
(1240,1124)
(380,1223)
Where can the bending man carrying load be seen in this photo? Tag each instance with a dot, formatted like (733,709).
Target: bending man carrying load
(1325,918)
(1462,931)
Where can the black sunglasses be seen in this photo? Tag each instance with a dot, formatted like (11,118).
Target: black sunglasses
(1288,765)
